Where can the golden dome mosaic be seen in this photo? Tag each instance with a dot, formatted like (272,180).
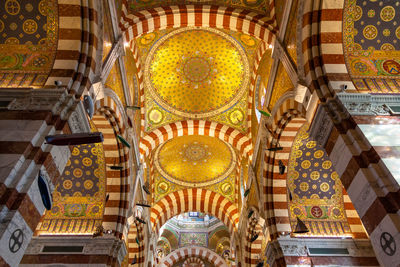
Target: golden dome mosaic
(196,72)
(195,160)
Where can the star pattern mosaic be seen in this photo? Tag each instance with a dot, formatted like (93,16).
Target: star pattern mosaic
(196,73)
(317,193)
(79,196)
(28,42)
(371,37)
(195,160)
(234,116)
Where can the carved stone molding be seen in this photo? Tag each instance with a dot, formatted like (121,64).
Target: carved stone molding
(301,246)
(366,104)
(321,126)
(78,122)
(105,245)
(116,51)
(56,100)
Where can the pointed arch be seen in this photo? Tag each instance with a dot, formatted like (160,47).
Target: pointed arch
(109,120)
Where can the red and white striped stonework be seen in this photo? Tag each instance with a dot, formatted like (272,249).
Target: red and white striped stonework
(109,123)
(193,261)
(23,152)
(356,227)
(276,183)
(159,18)
(195,127)
(188,252)
(355,160)
(253,249)
(228,18)
(324,64)
(136,250)
(78,58)
(190,199)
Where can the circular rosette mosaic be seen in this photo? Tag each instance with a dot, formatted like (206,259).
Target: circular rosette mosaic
(195,161)
(196,72)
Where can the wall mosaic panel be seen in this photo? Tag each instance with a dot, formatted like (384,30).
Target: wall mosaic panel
(114,82)
(28,42)
(108,35)
(291,33)
(131,72)
(195,161)
(178,104)
(193,239)
(282,84)
(279,10)
(371,39)
(315,188)
(78,199)
(256,5)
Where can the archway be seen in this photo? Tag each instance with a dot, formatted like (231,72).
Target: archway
(193,199)
(188,252)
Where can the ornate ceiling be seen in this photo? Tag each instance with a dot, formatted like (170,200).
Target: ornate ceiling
(196,73)
(78,199)
(195,160)
(372,44)
(256,5)
(316,189)
(28,42)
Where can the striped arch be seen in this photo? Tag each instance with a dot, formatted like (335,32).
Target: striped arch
(193,199)
(136,243)
(196,127)
(324,62)
(193,261)
(289,107)
(108,121)
(78,57)
(253,249)
(221,17)
(357,163)
(188,252)
(275,183)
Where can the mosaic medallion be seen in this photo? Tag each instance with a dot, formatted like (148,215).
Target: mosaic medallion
(28,41)
(197,72)
(371,42)
(195,161)
(317,197)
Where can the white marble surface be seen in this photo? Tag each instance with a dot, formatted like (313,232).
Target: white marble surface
(16,221)
(381,135)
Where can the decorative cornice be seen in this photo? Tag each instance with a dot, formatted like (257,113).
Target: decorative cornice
(78,121)
(105,245)
(321,126)
(58,101)
(300,246)
(367,104)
